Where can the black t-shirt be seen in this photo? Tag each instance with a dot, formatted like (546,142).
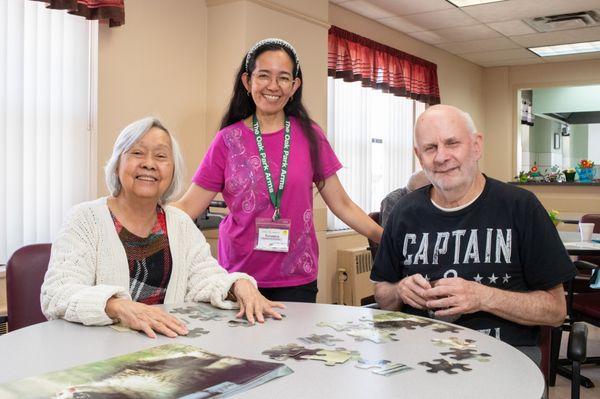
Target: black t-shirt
(504,239)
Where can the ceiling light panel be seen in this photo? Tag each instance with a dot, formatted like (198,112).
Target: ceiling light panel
(466,3)
(564,49)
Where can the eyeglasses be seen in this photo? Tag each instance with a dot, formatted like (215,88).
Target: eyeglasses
(264,79)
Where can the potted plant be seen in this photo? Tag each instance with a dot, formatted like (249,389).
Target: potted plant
(554,216)
(585,171)
(570,174)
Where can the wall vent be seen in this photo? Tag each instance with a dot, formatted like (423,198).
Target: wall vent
(575,20)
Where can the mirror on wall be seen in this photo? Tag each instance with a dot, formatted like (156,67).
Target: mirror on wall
(559,127)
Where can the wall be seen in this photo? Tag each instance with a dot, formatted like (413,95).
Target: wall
(594,143)
(566,99)
(500,103)
(500,88)
(155,64)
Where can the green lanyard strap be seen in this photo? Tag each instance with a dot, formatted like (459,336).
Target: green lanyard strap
(275,196)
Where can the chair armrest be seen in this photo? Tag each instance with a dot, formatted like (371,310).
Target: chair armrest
(576,351)
(582,264)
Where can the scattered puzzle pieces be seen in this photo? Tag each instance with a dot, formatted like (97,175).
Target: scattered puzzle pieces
(455,342)
(283,352)
(463,354)
(239,322)
(196,332)
(325,339)
(382,367)
(331,357)
(201,311)
(445,366)
(377,336)
(442,328)
(340,326)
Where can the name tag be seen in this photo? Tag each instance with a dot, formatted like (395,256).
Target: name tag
(272,235)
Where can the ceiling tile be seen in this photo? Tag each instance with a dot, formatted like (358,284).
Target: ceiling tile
(558,37)
(431,37)
(499,43)
(490,56)
(400,23)
(521,61)
(512,28)
(519,9)
(407,7)
(366,9)
(441,19)
(467,33)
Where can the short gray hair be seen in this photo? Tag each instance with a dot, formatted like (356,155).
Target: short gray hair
(127,138)
(465,116)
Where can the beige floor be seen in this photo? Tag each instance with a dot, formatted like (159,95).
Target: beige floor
(562,390)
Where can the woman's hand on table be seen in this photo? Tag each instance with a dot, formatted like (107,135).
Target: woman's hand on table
(145,318)
(253,304)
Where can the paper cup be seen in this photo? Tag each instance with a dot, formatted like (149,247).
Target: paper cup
(586,230)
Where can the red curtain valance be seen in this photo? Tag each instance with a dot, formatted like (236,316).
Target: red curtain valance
(356,58)
(111,11)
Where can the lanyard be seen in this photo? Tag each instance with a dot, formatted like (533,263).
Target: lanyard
(275,196)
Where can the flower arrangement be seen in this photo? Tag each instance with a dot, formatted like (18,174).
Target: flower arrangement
(586,171)
(585,164)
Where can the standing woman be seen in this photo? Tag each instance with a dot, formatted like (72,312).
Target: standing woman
(265,160)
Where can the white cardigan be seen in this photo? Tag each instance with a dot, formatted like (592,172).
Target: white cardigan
(88,265)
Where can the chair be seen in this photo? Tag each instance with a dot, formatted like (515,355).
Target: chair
(591,218)
(581,307)
(24,277)
(373,246)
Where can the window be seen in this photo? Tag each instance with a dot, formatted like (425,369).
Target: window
(47,102)
(371,133)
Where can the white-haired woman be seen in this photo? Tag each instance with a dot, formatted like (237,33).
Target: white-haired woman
(117,255)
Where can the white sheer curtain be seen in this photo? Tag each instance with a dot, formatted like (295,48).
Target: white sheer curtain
(47,60)
(371,133)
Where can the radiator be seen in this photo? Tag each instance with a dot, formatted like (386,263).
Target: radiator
(354,269)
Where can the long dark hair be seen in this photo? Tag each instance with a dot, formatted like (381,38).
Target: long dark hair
(242,106)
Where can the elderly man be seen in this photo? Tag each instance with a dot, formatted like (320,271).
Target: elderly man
(415,182)
(470,248)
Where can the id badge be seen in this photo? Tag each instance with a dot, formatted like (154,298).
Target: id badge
(273,236)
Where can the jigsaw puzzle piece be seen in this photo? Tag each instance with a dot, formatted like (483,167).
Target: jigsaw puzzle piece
(463,354)
(331,357)
(196,332)
(324,339)
(382,367)
(373,335)
(445,366)
(455,342)
(344,326)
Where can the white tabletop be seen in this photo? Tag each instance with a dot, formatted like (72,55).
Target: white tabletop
(58,345)
(572,242)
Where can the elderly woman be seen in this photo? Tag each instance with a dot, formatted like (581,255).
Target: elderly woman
(117,255)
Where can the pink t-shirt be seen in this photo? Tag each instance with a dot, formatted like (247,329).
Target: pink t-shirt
(232,166)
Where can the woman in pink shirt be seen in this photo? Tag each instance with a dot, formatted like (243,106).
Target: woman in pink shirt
(265,160)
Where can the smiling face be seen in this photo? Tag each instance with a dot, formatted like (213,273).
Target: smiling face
(271,83)
(146,169)
(447,150)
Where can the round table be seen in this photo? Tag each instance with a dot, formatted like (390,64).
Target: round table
(508,373)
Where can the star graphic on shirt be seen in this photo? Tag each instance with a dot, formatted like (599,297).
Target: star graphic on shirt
(478,278)
(506,278)
(427,278)
(493,279)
